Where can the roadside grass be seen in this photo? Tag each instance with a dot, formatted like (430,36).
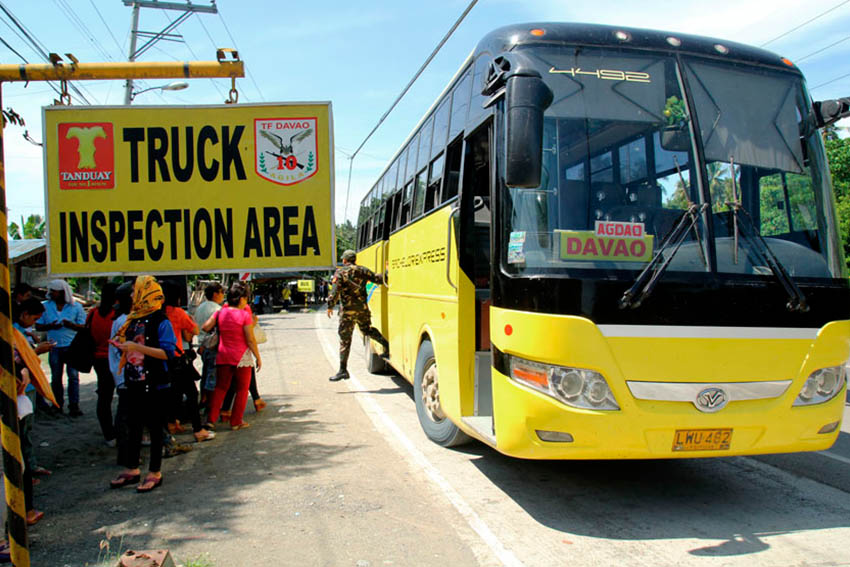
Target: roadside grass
(107,557)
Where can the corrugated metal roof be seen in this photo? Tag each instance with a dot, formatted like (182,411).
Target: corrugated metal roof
(22,249)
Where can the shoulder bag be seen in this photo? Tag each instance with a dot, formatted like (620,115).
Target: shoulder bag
(81,349)
(211,340)
(260,334)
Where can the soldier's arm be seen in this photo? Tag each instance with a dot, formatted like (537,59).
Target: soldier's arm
(333,296)
(373,277)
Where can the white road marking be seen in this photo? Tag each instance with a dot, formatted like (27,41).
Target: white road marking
(386,425)
(835,456)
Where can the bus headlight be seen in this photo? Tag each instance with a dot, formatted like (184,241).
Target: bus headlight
(822,385)
(576,387)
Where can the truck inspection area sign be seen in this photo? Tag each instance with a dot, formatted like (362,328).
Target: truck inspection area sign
(236,188)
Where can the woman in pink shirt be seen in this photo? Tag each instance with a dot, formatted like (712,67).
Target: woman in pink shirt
(235,346)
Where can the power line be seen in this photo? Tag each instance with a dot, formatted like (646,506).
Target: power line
(247,69)
(12,49)
(108,29)
(805,23)
(194,56)
(38,46)
(829,82)
(404,92)
(82,27)
(212,41)
(822,49)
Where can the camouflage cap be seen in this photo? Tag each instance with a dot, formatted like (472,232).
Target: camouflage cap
(349,255)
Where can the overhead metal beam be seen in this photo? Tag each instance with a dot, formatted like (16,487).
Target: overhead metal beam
(172,6)
(122,70)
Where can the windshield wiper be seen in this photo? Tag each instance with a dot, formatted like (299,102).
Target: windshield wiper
(647,279)
(744,225)
(650,274)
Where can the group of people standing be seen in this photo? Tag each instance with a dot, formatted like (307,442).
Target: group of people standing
(142,349)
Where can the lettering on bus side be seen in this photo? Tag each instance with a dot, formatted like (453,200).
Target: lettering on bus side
(433,256)
(183,234)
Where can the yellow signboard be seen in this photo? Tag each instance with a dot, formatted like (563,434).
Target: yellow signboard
(592,245)
(306,286)
(224,188)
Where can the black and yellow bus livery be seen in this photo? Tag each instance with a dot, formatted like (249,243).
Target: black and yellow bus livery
(615,243)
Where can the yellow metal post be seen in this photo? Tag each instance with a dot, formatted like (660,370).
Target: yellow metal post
(60,71)
(13,462)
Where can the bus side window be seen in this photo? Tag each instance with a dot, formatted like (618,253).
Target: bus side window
(419,195)
(396,210)
(435,175)
(453,160)
(407,201)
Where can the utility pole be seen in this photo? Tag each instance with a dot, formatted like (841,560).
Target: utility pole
(187,9)
(59,70)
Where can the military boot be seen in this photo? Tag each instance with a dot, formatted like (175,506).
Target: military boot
(341,375)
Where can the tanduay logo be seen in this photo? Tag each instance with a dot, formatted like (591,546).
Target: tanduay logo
(286,149)
(86,156)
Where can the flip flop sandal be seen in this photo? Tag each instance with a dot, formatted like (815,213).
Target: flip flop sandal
(124,479)
(41,471)
(149,484)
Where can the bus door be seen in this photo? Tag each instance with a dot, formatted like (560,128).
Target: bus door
(474,297)
(379,295)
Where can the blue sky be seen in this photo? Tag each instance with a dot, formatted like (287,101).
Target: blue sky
(360,56)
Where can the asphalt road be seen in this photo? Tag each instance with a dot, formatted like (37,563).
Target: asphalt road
(341,474)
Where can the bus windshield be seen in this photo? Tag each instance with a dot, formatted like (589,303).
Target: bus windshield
(620,170)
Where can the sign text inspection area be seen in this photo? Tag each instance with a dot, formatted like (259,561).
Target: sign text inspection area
(189,189)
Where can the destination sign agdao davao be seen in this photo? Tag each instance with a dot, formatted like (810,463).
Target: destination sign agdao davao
(160,189)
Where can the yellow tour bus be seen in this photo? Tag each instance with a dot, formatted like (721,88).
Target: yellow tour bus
(613,243)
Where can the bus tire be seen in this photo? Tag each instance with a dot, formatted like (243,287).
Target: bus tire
(437,427)
(374,363)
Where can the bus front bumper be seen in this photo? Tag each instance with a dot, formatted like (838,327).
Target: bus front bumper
(648,430)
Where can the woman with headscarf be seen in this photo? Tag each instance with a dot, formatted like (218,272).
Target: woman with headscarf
(62,318)
(147,345)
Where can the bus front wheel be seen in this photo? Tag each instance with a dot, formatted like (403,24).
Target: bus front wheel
(426,392)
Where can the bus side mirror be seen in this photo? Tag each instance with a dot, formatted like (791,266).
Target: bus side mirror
(831,111)
(526,98)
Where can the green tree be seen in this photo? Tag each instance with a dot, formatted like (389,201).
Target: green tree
(33,227)
(345,238)
(838,153)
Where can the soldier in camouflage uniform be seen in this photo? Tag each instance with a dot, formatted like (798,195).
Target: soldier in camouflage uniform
(349,289)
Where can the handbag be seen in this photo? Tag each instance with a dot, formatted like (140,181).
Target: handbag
(211,340)
(260,334)
(81,349)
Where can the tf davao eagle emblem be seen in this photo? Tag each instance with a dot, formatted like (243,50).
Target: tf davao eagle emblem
(286,149)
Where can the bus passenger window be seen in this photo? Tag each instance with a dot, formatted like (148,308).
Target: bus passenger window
(460,102)
(419,195)
(407,201)
(453,159)
(435,173)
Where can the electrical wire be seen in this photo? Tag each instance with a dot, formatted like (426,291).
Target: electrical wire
(108,29)
(247,70)
(831,45)
(81,26)
(212,41)
(12,49)
(829,82)
(194,56)
(805,23)
(39,47)
(404,92)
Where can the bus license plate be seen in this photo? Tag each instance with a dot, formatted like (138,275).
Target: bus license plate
(702,439)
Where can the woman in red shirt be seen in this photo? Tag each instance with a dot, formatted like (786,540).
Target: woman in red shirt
(100,323)
(235,346)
